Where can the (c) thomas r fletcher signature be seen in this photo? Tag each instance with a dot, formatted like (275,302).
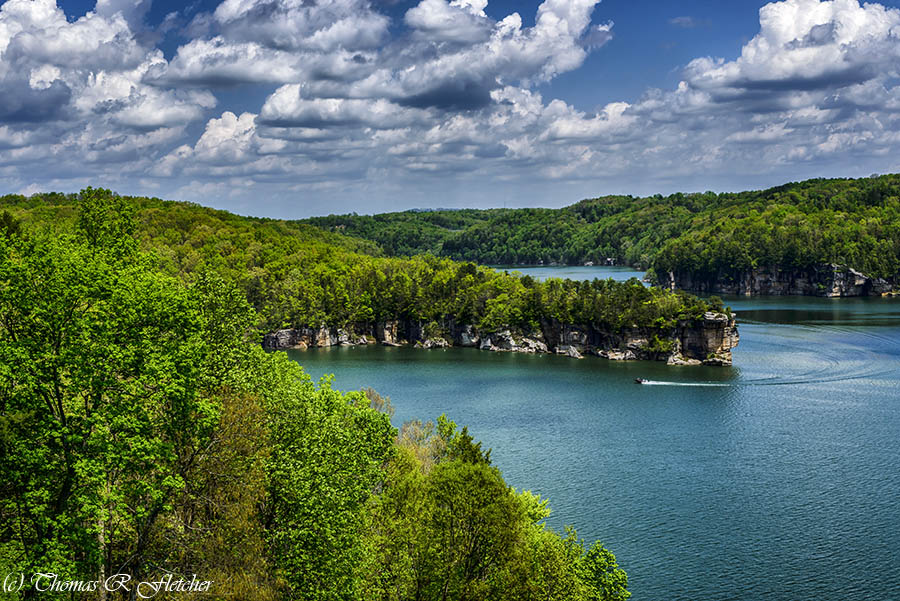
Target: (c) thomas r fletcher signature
(45,582)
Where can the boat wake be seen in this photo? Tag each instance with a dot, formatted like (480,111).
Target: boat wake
(824,353)
(664,383)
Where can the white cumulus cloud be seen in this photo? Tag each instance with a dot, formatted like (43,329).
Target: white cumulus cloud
(332,101)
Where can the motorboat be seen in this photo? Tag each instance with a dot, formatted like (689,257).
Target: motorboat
(640,381)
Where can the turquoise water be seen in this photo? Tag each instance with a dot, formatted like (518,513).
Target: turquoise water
(777,478)
(576,272)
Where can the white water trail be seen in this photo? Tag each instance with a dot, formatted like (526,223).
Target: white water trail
(833,359)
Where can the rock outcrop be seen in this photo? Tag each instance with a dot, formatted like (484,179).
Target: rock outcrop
(302,338)
(467,336)
(569,351)
(709,344)
(830,280)
(433,343)
(708,340)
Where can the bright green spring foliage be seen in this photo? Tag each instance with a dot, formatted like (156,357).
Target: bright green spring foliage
(101,378)
(298,275)
(446,526)
(144,431)
(854,222)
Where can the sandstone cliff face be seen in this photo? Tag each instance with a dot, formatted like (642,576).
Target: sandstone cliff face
(829,280)
(302,338)
(708,340)
(710,343)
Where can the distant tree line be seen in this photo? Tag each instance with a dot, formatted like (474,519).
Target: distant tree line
(853,222)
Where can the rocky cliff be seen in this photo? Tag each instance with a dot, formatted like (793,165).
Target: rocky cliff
(708,340)
(820,280)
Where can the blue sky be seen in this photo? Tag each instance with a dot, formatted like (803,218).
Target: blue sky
(292,108)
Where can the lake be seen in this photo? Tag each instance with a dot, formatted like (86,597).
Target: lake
(777,478)
(575,272)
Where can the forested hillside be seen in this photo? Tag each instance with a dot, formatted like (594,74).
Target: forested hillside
(144,432)
(852,222)
(294,274)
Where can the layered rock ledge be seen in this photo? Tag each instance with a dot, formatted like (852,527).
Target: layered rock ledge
(708,340)
(826,279)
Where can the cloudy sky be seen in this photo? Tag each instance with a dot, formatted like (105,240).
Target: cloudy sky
(303,107)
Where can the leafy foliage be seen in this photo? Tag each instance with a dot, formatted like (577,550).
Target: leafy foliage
(298,275)
(854,222)
(446,526)
(144,431)
(101,402)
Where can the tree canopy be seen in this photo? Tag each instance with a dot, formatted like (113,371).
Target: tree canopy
(295,274)
(853,222)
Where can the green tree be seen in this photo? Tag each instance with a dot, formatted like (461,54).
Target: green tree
(9,225)
(106,220)
(102,406)
(327,453)
(600,573)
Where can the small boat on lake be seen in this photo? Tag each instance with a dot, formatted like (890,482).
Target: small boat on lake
(639,380)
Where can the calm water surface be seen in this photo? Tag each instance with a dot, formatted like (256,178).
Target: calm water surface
(576,272)
(778,478)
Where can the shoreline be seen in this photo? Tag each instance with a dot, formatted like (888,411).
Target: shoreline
(705,341)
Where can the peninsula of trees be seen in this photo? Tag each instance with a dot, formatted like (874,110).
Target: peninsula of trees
(819,237)
(302,278)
